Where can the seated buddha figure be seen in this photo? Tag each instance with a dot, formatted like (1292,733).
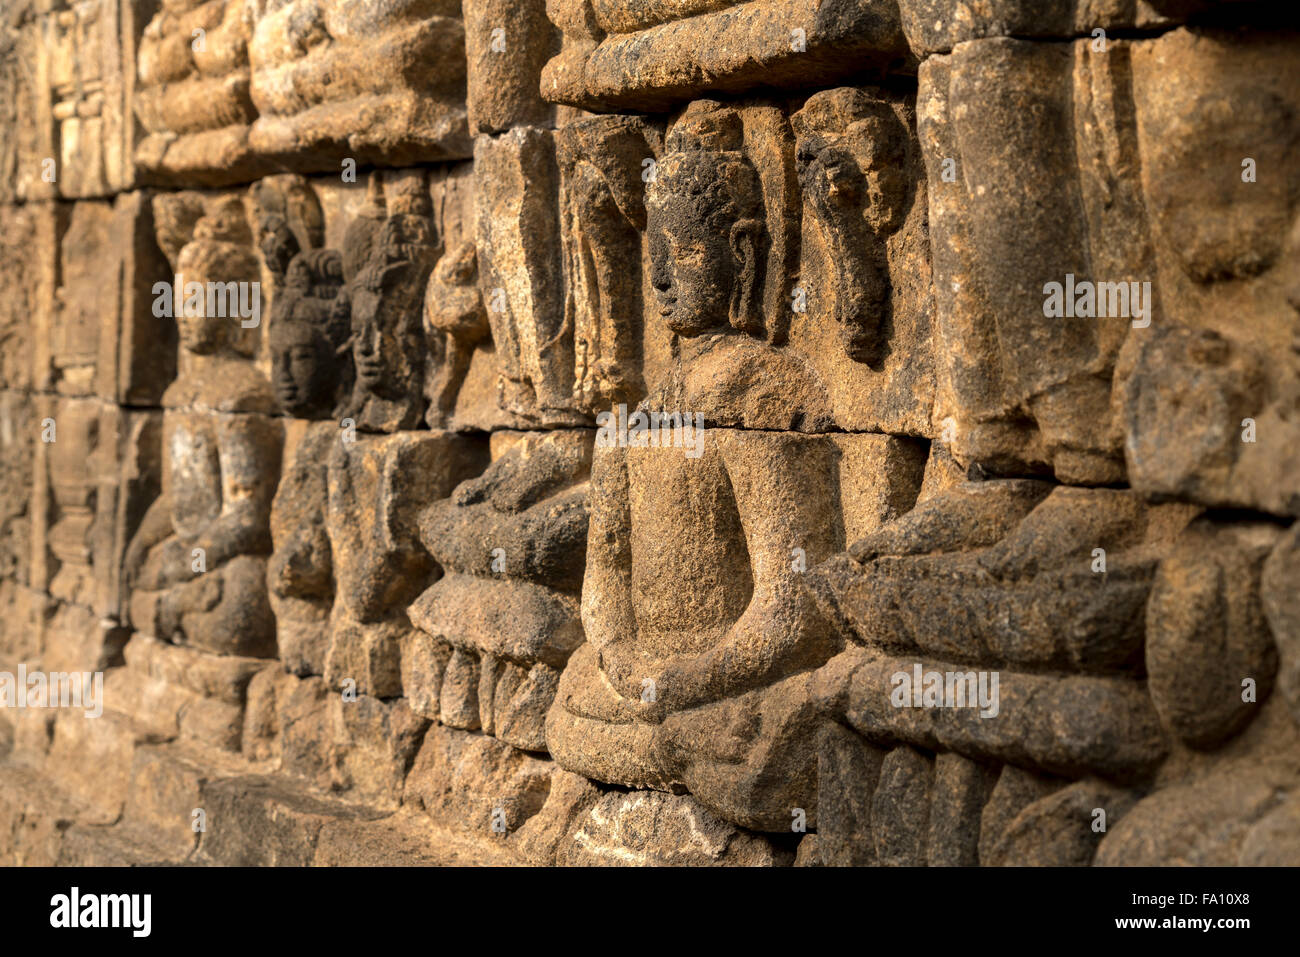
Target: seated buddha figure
(197,564)
(699,639)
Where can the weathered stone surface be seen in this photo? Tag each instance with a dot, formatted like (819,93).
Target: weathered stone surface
(97,478)
(100,333)
(1057,725)
(544,836)
(650,828)
(69,71)
(520,273)
(406,838)
(472,782)
(1208,822)
(663,432)
(1225,243)
(1235,446)
(1207,640)
(626,55)
(19,434)
(848,770)
(507,42)
(959,794)
(300,574)
(379,566)
(33,822)
(807,853)
(1014,791)
(166,789)
(1275,840)
(106,743)
(1020,390)
(900,809)
(27,241)
(261,821)
(171,691)
(1086,557)
(356,746)
(1060,830)
(936,26)
(1281,602)
(334,81)
(192,94)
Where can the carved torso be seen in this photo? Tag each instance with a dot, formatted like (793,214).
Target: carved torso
(192,471)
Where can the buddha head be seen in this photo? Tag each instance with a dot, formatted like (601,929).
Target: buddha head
(309,337)
(852,154)
(373,339)
(385,295)
(705,218)
(277,244)
(220,259)
(852,159)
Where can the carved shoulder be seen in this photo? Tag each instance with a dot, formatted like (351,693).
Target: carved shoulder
(745,383)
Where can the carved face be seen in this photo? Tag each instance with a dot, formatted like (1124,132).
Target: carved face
(852,160)
(224,221)
(853,170)
(384,301)
(299,277)
(834,183)
(201,334)
(278,245)
(300,367)
(219,253)
(692,272)
(374,342)
(405,237)
(702,242)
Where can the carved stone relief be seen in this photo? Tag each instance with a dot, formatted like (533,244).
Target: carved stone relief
(656,432)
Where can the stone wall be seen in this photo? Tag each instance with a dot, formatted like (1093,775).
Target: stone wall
(845,432)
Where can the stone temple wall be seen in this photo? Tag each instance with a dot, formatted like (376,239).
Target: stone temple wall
(650,431)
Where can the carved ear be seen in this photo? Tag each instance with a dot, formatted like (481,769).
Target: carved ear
(745,314)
